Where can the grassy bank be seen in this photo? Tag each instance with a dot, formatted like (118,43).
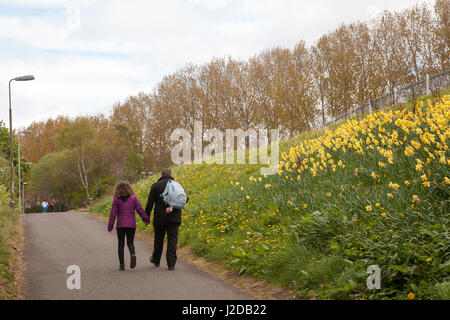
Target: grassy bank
(371,192)
(9,228)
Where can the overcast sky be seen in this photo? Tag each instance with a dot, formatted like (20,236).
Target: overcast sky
(88,54)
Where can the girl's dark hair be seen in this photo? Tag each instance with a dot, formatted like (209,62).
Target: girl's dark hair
(122,189)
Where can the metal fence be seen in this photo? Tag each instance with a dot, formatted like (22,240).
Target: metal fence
(401,94)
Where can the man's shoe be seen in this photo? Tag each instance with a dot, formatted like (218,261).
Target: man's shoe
(132,261)
(171,268)
(156,264)
(122,267)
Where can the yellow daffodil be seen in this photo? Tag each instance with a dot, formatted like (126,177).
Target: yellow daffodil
(409,151)
(393,185)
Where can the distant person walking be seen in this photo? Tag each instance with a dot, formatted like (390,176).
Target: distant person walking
(124,205)
(166,219)
(52,205)
(44,206)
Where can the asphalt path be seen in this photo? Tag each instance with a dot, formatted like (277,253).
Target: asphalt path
(55,241)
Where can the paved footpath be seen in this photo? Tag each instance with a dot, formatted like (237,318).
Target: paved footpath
(55,241)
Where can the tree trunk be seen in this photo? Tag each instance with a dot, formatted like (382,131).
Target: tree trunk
(82,171)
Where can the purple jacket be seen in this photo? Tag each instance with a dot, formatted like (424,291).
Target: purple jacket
(124,210)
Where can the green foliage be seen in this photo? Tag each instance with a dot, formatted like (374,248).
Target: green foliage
(101,187)
(75,134)
(4,158)
(5,174)
(134,166)
(442,291)
(75,173)
(4,139)
(53,177)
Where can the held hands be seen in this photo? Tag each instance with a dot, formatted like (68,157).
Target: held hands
(169,209)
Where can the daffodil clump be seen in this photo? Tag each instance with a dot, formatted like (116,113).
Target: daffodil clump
(377,192)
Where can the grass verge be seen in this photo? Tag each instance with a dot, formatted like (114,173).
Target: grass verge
(11,248)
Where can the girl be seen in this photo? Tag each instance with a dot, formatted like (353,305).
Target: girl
(123,206)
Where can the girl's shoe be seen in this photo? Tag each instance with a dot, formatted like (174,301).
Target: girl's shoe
(122,267)
(133,261)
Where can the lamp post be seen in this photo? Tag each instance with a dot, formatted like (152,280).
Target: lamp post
(23,188)
(20,168)
(23,196)
(11,150)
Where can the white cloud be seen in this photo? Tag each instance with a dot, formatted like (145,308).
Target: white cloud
(211,4)
(71,86)
(46,3)
(373,10)
(33,31)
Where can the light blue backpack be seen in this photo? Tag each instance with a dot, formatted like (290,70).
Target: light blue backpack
(174,195)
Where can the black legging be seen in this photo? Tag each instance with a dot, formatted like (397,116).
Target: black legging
(129,232)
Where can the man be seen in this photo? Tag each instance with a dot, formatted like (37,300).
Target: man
(165,220)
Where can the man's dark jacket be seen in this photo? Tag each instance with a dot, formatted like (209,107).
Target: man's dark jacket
(155,199)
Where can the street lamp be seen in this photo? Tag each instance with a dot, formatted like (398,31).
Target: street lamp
(23,188)
(23,195)
(18,155)
(11,155)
